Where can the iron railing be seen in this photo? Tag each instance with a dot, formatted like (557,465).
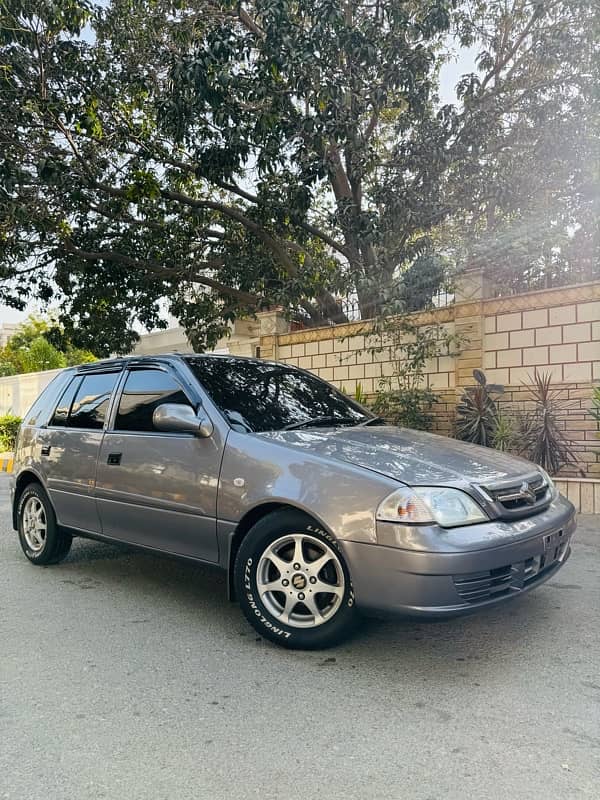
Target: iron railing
(509,284)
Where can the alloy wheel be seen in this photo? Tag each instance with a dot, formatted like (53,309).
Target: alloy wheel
(35,525)
(300,580)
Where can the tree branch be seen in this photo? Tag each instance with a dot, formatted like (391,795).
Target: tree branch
(339,180)
(277,248)
(501,63)
(249,23)
(158,269)
(373,122)
(252,198)
(233,213)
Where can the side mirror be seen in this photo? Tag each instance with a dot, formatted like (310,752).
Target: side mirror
(180,418)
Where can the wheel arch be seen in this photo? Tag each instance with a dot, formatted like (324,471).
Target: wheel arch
(247,522)
(23,480)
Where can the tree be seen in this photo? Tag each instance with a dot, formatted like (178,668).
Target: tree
(40,345)
(224,157)
(534,180)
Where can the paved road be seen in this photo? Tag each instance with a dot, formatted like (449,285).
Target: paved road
(128,677)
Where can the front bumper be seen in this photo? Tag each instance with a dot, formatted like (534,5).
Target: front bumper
(390,580)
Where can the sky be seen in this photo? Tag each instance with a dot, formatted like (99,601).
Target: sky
(451,72)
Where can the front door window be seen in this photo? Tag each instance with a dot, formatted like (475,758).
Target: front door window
(144,391)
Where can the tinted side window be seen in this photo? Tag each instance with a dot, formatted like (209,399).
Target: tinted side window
(61,413)
(42,409)
(144,390)
(91,401)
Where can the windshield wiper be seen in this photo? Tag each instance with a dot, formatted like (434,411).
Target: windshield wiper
(307,423)
(237,419)
(372,421)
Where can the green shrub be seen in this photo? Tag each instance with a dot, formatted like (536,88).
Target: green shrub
(358,394)
(404,398)
(477,414)
(595,412)
(407,408)
(504,435)
(9,427)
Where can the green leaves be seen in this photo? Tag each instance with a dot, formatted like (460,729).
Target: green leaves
(143,184)
(229,158)
(9,427)
(404,397)
(89,120)
(478,414)
(40,344)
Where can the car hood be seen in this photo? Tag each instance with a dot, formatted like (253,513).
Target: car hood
(413,457)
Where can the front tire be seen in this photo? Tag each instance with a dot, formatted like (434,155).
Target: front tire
(293,584)
(42,541)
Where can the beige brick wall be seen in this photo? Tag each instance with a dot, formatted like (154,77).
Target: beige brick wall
(554,330)
(563,339)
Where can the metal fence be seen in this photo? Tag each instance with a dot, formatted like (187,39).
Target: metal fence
(351,306)
(505,283)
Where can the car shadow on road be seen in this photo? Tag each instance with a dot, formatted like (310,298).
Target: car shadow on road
(104,564)
(195,595)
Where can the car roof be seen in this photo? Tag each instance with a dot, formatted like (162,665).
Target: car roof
(127,361)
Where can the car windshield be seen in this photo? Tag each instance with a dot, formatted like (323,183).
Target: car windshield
(264,396)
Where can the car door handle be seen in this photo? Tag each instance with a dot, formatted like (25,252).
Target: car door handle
(114,458)
(46,450)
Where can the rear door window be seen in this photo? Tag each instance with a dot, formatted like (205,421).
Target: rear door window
(91,401)
(144,390)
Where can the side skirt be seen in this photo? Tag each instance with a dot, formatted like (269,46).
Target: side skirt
(100,537)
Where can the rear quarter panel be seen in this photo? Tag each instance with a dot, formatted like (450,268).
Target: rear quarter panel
(27,451)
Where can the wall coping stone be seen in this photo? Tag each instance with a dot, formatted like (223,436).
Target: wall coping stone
(528,301)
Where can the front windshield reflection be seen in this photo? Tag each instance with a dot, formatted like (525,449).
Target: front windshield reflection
(262,396)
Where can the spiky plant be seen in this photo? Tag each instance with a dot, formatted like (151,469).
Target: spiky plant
(477,411)
(504,435)
(360,395)
(542,441)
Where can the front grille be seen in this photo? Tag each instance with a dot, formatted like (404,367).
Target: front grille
(520,498)
(477,587)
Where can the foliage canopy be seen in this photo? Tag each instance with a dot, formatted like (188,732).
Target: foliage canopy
(39,345)
(215,157)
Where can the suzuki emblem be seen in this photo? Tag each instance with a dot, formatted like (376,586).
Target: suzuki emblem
(527,493)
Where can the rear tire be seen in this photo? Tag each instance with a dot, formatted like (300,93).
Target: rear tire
(42,541)
(293,584)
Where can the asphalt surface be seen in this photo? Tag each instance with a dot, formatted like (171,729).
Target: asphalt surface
(126,676)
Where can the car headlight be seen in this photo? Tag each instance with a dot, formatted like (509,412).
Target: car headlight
(549,482)
(422,504)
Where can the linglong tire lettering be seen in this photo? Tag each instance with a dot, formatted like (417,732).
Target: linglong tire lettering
(259,568)
(263,619)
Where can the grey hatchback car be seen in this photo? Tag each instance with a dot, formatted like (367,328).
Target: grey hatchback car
(317,509)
